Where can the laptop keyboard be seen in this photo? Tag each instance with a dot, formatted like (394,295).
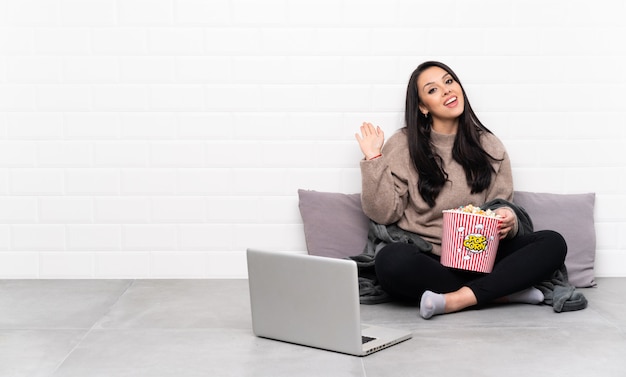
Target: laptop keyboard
(366,339)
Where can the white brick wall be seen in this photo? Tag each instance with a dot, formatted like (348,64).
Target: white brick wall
(160,138)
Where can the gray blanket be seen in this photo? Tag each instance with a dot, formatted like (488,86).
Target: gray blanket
(557,290)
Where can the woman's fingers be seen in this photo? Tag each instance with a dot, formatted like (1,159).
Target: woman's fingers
(370,139)
(508,221)
(367,129)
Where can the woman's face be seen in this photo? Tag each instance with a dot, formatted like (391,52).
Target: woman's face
(440,95)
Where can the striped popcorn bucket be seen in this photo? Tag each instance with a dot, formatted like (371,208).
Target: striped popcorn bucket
(470,241)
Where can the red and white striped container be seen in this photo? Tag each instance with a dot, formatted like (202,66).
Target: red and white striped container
(470,241)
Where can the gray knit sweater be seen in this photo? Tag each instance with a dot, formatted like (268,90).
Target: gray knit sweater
(389,188)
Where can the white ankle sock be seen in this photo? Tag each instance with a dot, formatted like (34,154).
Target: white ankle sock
(432,304)
(531,295)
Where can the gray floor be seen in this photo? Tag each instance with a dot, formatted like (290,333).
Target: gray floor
(202,328)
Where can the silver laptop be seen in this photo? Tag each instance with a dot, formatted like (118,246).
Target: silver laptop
(312,301)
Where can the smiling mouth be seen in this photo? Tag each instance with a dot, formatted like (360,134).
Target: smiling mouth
(452,99)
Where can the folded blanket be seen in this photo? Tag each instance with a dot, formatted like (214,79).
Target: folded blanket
(557,290)
(560,294)
(378,236)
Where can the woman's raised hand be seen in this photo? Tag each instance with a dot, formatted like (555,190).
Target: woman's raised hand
(370,140)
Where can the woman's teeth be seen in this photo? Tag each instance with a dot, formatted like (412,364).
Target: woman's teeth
(450,101)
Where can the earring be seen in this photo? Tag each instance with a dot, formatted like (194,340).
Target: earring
(425,115)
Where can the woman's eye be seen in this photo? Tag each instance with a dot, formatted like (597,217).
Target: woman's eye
(449,81)
(432,90)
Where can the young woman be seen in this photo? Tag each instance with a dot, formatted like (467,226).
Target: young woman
(446,158)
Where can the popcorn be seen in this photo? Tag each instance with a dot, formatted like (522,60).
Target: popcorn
(470,208)
(470,238)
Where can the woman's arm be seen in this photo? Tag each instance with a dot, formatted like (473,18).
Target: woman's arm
(502,188)
(384,193)
(502,185)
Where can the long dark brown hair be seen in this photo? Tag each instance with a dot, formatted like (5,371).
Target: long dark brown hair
(467,150)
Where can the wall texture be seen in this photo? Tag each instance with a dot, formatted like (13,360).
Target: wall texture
(160,138)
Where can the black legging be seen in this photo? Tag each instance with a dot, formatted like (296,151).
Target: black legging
(405,272)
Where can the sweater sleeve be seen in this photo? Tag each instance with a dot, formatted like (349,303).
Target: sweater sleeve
(502,186)
(384,195)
